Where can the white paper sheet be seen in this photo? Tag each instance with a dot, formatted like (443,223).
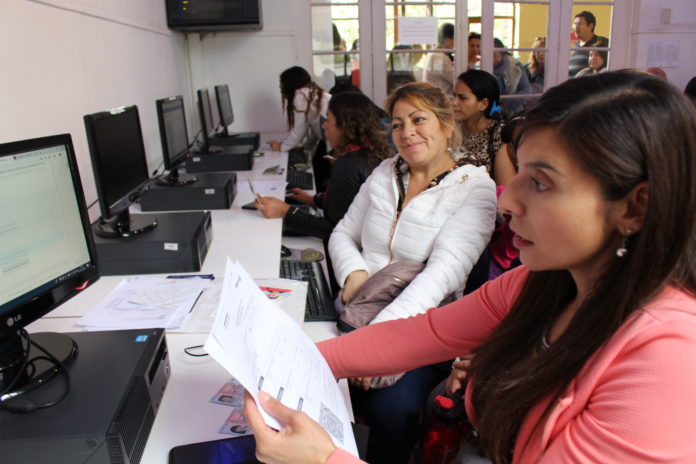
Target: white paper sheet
(264,349)
(146,301)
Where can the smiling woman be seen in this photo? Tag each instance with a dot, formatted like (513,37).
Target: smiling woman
(419,206)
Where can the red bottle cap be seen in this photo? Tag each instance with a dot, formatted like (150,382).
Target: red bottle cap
(444,402)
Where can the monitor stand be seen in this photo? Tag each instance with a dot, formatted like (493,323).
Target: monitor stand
(60,346)
(175,179)
(125,226)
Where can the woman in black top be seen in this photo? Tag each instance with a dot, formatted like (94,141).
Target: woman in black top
(353,128)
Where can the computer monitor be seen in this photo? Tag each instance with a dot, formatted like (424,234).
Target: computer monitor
(224,103)
(120,169)
(206,117)
(46,250)
(175,142)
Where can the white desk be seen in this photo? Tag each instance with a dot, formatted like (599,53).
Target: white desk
(186,415)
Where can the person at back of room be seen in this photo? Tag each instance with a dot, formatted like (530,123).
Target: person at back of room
(304,104)
(512,78)
(354,129)
(586,352)
(419,206)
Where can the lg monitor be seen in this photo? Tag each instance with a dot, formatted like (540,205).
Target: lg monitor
(175,143)
(224,103)
(120,169)
(46,253)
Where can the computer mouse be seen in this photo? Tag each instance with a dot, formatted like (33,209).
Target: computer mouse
(284,251)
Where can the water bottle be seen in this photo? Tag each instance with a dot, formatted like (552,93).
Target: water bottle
(446,429)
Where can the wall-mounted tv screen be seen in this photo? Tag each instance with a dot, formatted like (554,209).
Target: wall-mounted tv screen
(213,15)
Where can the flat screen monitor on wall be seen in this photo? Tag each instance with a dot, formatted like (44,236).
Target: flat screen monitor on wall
(174,136)
(46,253)
(120,168)
(213,15)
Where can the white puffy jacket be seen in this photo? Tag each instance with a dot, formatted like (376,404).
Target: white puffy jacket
(448,225)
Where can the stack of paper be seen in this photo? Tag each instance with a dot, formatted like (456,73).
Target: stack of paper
(145,302)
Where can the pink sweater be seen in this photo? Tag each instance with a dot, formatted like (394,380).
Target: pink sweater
(634,401)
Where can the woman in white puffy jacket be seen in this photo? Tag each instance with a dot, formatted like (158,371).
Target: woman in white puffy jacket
(418,206)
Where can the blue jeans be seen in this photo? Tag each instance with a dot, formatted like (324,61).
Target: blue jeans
(394,414)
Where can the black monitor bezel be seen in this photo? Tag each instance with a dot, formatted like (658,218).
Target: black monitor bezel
(206,132)
(171,163)
(123,203)
(40,301)
(219,97)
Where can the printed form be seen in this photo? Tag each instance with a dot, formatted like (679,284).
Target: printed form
(264,349)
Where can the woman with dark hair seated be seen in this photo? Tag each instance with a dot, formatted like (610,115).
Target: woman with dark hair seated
(478,112)
(585,353)
(353,128)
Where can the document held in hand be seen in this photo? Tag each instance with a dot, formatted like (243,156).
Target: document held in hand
(264,349)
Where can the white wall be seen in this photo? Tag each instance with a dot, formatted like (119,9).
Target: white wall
(251,61)
(648,27)
(56,65)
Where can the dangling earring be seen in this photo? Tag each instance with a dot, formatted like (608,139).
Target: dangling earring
(622,250)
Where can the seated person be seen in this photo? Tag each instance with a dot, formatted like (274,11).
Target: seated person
(535,67)
(586,352)
(477,111)
(512,78)
(596,63)
(353,128)
(439,67)
(418,206)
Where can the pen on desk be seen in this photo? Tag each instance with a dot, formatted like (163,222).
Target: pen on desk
(191,276)
(196,301)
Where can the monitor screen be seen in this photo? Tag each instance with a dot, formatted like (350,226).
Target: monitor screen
(222,95)
(46,250)
(172,124)
(118,158)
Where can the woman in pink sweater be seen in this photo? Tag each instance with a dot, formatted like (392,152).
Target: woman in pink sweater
(587,352)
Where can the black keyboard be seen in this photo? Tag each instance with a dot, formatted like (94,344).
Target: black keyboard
(300,179)
(320,305)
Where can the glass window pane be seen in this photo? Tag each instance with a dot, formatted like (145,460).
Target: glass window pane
(334,27)
(602,27)
(404,65)
(592,62)
(330,70)
(589,28)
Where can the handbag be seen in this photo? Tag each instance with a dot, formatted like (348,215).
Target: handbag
(374,295)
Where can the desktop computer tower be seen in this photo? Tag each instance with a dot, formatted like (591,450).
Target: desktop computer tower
(212,190)
(117,381)
(240,138)
(179,243)
(220,161)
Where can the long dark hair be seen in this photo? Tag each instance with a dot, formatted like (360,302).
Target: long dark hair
(624,128)
(359,119)
(291,80)
(483,85)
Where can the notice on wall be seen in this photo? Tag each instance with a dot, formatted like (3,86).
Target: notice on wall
(413,31)
(663,53)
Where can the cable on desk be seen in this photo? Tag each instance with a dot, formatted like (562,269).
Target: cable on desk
(8,399)
(189,351)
